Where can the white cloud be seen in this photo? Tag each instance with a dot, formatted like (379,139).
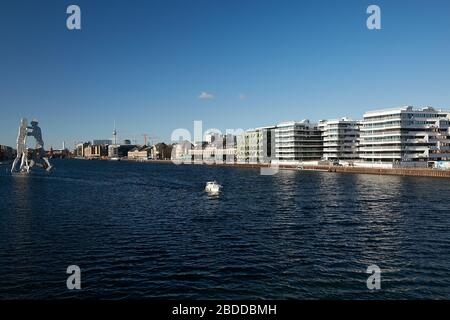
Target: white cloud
(206,95)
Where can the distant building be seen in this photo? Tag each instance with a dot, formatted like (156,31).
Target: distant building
(58,153)
(212,136)
(229,149)
(102,142)
(298,141)
(197,151)
(6,153)
(222,149)
(181,151)
(113,151)
(256,145)
(161,151)
(213,150)
(248,146)
(119,151)
(95,151)
(242,148)
(340,139)
(79,149)
(140,153)
(405,134)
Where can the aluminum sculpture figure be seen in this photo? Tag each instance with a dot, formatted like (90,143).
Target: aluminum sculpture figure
(38,154)
(22,151)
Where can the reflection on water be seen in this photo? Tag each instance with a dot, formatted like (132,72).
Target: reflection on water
(147,231)
(20,199)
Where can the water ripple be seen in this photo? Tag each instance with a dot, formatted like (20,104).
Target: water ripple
(149,231)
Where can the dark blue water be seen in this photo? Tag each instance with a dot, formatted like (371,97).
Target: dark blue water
(149,231)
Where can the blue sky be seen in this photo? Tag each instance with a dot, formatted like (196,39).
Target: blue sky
(145,63)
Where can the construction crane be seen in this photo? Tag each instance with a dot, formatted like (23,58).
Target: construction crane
(152,139)
(145,138)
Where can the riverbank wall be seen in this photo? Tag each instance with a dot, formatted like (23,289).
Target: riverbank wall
(416,172)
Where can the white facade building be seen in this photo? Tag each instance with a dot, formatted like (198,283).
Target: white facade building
(241,148)
(222,149)
(298,141)
(256,145)
(340,139)
(113,151)
(181,151)
(405,134)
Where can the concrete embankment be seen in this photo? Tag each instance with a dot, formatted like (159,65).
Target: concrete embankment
(416,172)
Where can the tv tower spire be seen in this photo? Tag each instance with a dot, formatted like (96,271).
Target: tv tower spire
(115,133)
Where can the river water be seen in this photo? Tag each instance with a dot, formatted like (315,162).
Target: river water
(141,230)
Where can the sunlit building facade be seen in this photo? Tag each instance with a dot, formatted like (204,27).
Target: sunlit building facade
(256,145)
(298,141)
(405,134)
(340,139)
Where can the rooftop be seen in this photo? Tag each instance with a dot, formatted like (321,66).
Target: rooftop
(290,123)
(402,109)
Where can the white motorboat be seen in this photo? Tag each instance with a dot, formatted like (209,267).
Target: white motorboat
(212,187)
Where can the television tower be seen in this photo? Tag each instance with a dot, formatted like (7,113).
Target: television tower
(115,133)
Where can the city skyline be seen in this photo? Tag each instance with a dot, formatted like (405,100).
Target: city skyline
(157,66)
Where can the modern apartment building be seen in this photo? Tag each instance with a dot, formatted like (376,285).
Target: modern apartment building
(256,145)
(181,151)
(340,139)
(405,134)
(241,148)
(298,141)
(266,144)
(252,138)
